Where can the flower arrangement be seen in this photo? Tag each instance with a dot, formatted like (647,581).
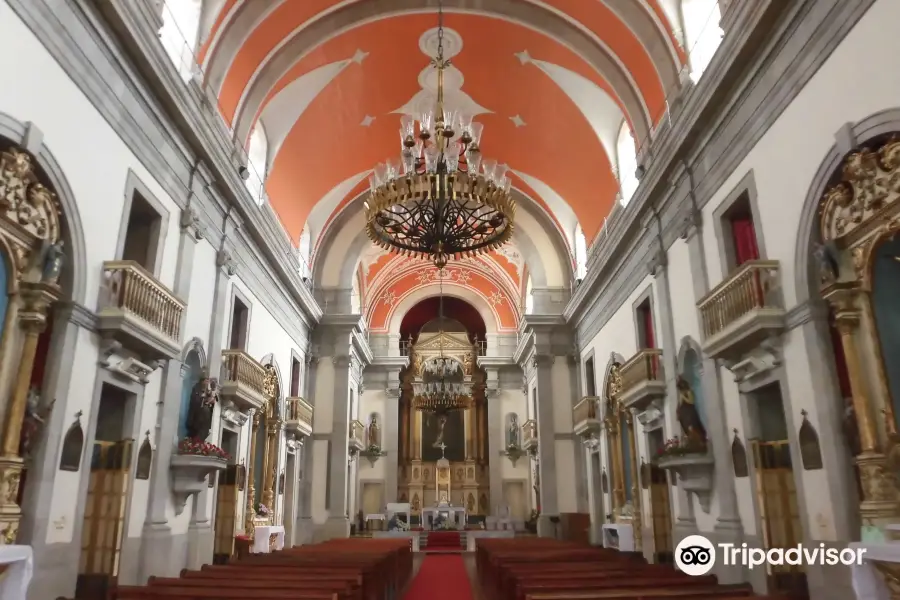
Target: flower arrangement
(262,510)
(196,447)
(682,446)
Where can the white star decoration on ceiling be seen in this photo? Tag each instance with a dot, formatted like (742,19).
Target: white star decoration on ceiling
(523,57)
(389,297)
(423,277)
(496,297)
(367,120)
(463,276)
(359,56)
(518,121)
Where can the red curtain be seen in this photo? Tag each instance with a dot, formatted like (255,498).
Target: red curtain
(744,235)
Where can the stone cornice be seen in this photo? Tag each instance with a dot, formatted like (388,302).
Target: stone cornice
(797,37)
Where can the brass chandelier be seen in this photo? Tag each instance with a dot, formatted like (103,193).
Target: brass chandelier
(438,395)
(435,203)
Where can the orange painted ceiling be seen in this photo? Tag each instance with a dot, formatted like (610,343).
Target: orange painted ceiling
(327,144)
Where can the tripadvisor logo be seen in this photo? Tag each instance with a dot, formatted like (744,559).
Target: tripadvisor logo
(696,555)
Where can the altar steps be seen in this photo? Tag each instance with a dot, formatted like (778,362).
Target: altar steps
(442,542)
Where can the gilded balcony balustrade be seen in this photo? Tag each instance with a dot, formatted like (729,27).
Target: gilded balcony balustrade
(139,312)
(743,310)
(298,416)
(643,380)
(529,434)
(242,380)
(357,436)
(586,416)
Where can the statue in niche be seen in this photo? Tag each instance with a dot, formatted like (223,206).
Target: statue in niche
(33,423)
(826,256)
(467,363)
(688,417)
(512,435)
(53,260)
(204,397)
(374,432)
(419,365)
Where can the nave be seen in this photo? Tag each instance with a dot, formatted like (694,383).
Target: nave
(523,568)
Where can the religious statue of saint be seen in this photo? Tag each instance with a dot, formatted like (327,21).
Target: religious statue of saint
(374,432)
(513,433)
(439,438)
(53,259)
(467,363)
(33,423)
(419,365)
(204,397)
(688,417)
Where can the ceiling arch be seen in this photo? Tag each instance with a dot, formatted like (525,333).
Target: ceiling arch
(394,316)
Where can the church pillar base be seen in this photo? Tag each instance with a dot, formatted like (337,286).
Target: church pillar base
(200,545)
(336,528)
(547,528)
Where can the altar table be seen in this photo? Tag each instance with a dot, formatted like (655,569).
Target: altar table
(262,539)
(19,564)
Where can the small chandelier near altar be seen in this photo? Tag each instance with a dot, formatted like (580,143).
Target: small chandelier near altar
(436,203)
(441,396)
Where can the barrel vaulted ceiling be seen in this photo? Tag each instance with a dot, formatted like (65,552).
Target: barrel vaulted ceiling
(552,81)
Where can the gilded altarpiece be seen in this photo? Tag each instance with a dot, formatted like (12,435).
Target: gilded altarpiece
(860,217)
(265,448)
(31,251)
(463,434)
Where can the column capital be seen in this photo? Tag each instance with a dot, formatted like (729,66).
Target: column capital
(36,299)
(225,262)
(843,298)
(692,224)
(342,361)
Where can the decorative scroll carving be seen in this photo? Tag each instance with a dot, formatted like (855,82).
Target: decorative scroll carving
(72,446)
(810,449)
(739,456)
(144,459)
(27,203)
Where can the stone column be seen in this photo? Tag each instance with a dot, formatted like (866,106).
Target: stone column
(543,365)
(581,483)
(592,491)
(390,439)
(338,524)
(685,524)
(32,317)
(495,447)
(728,527)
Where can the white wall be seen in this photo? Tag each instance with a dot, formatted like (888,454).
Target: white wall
(96,163)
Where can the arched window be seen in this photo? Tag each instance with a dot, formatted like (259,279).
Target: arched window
(305,247)
(529,297)
(626,162)
(179,33)
(191,375)
(580,253)
(257,157)
(702,33)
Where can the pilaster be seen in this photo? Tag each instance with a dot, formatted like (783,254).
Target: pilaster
(495,440)
(728,527)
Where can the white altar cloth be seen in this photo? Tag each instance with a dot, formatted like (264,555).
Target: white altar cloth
(261,538)
(20,564)
(867,582)
(618,536)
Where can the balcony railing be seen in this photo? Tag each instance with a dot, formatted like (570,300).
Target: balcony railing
(481,347)
(297,409)
(643,380)
(357,435)
(586,415)
(746,304)
(242,379)
(529,434)
(135,303)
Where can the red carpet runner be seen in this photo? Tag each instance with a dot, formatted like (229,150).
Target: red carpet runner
(443,541)
(441,577)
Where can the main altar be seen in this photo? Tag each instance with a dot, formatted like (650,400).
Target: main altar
(443,458)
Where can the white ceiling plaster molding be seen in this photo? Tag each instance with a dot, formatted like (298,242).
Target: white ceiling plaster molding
(244,113)
(208,14)
(282,111)
(600,43)
(476,299)
(602,112)
(322,211)
(561,210)
(241,21)
(672,23)
(672,10)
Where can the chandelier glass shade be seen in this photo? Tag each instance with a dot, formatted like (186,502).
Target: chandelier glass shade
(438,395)
(441,200)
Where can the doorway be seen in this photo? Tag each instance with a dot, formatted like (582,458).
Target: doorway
(109,488)
(776,490)
(660,504)
(290,494)
(514,495)
(227,502)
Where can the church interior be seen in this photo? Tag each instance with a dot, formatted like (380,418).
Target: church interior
(240,359)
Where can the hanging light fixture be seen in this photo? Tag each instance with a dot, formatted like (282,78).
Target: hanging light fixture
(442,201)
(438,395)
